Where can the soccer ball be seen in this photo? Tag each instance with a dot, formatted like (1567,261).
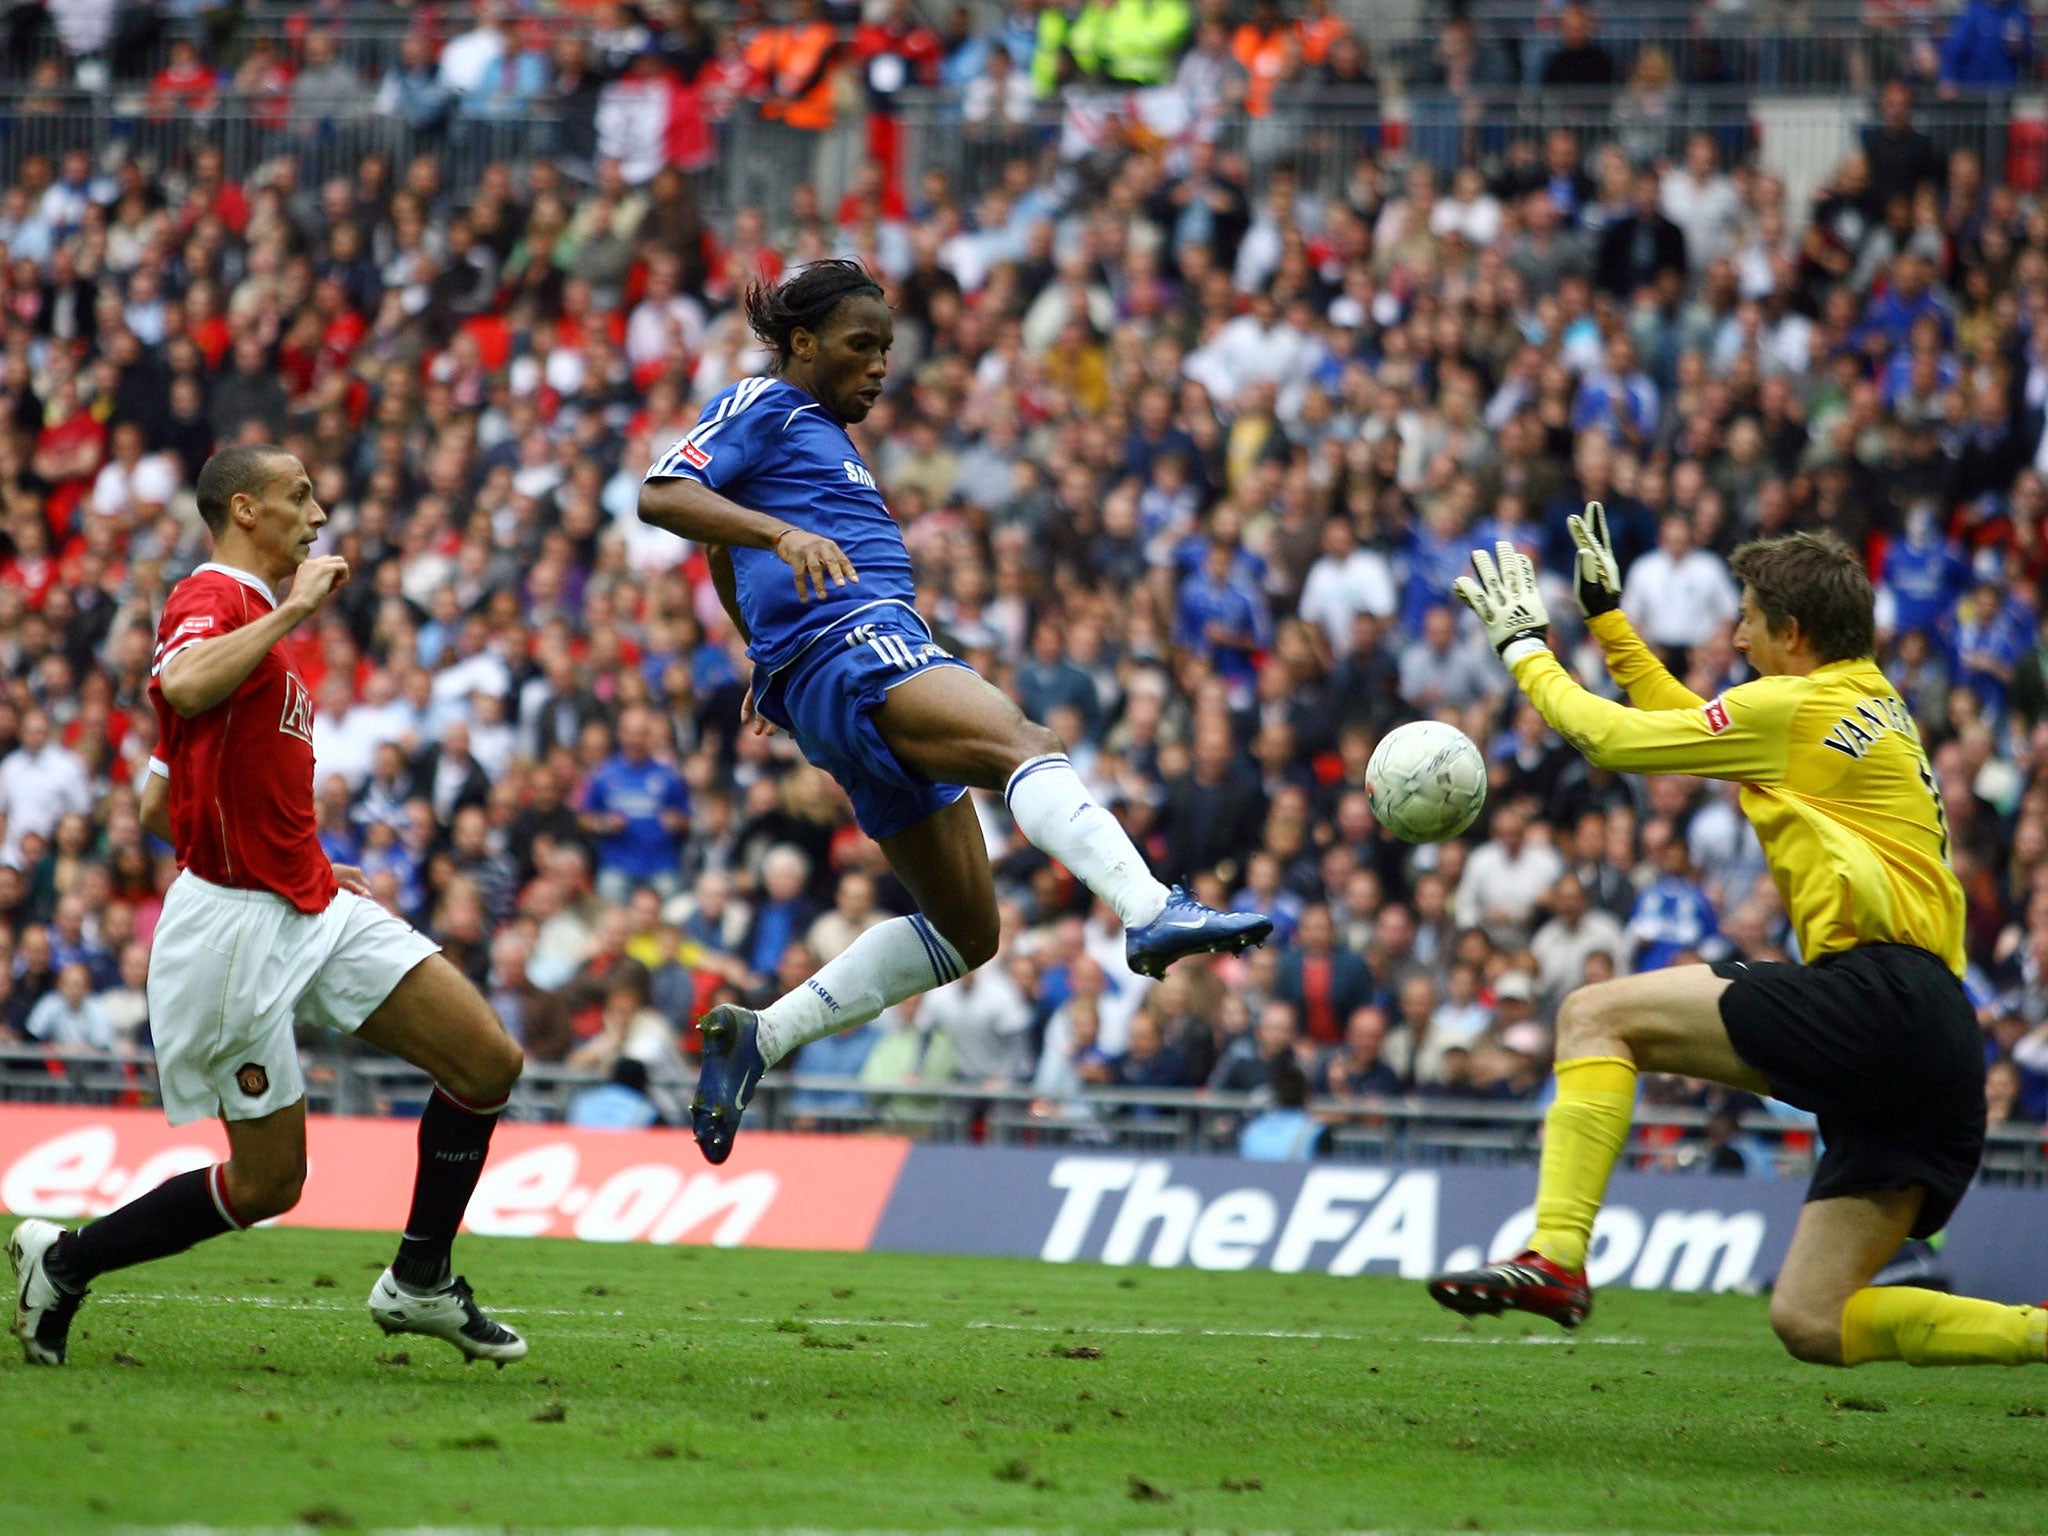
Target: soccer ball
(1426,781)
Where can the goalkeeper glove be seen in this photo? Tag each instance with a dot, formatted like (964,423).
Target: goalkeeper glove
(1507,602)
(1597,576)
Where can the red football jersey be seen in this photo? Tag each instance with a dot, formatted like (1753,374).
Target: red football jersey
(241,772)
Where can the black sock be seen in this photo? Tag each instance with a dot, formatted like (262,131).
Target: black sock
(169,1219)
(453,1141)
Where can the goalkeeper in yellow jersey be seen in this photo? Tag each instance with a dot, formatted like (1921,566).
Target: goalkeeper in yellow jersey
(1873,1033)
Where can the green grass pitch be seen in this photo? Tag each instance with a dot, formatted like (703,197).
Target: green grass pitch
(242,1386)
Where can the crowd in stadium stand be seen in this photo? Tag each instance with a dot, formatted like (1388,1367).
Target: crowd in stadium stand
(1187,458)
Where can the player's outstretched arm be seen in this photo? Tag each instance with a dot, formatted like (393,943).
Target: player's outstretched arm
(690,510)
(1597,581)
(1744,735)
(198,677)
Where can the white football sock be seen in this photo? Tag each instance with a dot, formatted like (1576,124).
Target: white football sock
(891,961)
(1052,809)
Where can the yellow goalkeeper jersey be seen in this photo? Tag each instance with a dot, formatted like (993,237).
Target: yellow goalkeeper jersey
(1833,777)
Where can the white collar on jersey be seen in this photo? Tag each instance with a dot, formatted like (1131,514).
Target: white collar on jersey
(253,583)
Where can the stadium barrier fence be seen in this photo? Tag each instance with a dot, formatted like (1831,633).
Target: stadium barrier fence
(759,162)
(1420,1130)
(1824,47)
(250,132)
(1800,138)
(888,1193)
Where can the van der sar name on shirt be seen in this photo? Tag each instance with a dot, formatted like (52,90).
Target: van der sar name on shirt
(1856,733)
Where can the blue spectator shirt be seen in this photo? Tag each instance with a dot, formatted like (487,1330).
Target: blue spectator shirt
(1898,374)
(1433,564)
(1977,649)
(1239,609)
(1892,317)
(1672,916)
(769,446)
(1990,44)
(1280,1136)
(1925,579)
(1285,909)
(840,1055)
(611,1107)
(640,792)
(1612,403)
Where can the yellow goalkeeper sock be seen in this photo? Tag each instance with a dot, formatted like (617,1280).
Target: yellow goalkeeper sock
(1932,1328)
(1582,1137)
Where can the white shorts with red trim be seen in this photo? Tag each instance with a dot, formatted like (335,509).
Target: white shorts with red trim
(231,972)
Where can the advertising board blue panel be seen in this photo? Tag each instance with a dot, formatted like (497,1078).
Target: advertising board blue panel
(1657,1232)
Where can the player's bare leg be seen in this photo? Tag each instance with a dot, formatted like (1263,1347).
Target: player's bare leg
(441,1024)
(265,1170)
(1824,1309)
(955,727)
(1660,1021)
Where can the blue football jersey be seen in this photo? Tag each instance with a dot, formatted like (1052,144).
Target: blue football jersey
(767,445)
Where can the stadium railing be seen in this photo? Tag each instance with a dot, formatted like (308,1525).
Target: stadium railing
(1802,140)
(251,131)
(760,162)
(340,1080)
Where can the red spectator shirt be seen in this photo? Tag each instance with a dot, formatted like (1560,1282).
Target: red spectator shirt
(241,772)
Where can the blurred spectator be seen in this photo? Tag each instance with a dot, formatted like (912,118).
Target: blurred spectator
(988,1015)
(1578,60)
(326,90)
(1507,875)
(1990,46)
(1673,917)
(413,88)
(853,913)
(69,1015)
(1252,1059)
(1576,931)
(1358,1067)
(1641,246)
(1325,984)
(1678,596)
(40,781)
(1287,1132)
(842,1055)
(1902,157)
(619,1104)
(638,810)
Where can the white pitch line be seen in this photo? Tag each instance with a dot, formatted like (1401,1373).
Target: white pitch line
(1380,1336)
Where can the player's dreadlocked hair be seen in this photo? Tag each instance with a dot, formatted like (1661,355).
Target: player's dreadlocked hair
(238,469)
(776,312)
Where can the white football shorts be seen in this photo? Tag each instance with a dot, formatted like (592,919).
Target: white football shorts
(230,973)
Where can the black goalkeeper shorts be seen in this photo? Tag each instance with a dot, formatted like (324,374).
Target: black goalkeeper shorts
(1881,1043)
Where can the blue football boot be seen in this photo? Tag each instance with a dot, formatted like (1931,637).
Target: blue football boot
(1187,927)
(726,1081)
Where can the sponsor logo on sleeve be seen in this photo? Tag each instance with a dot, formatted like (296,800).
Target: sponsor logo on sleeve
(1717,716)
(694,456)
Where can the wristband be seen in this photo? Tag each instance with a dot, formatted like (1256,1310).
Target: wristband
(777,545)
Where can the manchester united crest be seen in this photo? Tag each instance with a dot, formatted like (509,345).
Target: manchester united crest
(252,1079)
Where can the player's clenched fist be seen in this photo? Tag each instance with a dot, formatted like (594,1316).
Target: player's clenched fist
(318,579)
(814,558)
